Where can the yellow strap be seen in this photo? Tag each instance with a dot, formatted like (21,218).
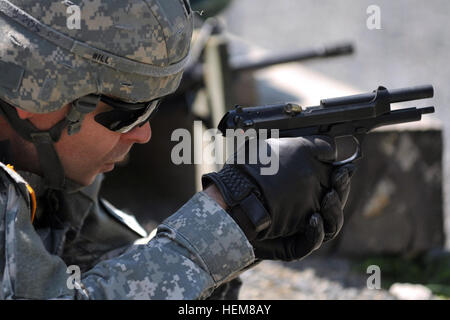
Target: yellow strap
(32,195)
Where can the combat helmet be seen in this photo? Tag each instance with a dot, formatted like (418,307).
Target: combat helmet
(130,52)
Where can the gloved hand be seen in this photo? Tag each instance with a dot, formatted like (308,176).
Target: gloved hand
(321,227)
(280,213)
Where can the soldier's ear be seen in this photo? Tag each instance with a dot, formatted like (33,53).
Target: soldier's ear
(23,114)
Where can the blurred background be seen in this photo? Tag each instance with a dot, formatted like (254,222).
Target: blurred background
(398,213)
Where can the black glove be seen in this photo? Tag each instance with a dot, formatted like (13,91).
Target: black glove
(321,227)
(276,212)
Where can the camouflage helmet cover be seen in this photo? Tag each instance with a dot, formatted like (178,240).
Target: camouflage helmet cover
(132,50)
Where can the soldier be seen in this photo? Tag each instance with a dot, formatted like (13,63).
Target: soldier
(72,104)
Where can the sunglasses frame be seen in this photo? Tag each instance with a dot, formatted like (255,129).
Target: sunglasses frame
(146,111)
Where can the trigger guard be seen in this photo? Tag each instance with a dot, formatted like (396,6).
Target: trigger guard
(356,156)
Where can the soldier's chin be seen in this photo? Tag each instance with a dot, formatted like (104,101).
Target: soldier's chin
(107,167)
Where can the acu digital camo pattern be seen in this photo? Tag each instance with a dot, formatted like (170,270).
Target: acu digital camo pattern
(194,251)
(132,50)
(69,221)
(135,51)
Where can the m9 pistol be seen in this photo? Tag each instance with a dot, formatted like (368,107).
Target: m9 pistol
(354,115)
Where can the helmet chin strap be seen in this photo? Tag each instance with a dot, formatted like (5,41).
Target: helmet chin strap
(51,166)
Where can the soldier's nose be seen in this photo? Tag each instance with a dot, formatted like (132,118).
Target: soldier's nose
(139,134)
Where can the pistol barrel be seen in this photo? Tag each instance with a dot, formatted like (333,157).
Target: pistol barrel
(395,95)
(412,93)
(427,110)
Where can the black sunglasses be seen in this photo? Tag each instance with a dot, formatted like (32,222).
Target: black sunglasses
(124,116)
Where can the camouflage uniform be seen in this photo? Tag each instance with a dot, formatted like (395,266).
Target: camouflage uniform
(176,264)
(134,51)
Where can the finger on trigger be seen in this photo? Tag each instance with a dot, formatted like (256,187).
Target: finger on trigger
(323,148)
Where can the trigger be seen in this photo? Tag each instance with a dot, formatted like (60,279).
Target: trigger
(356,156)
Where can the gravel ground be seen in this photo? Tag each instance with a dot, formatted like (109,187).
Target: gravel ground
(309,279)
